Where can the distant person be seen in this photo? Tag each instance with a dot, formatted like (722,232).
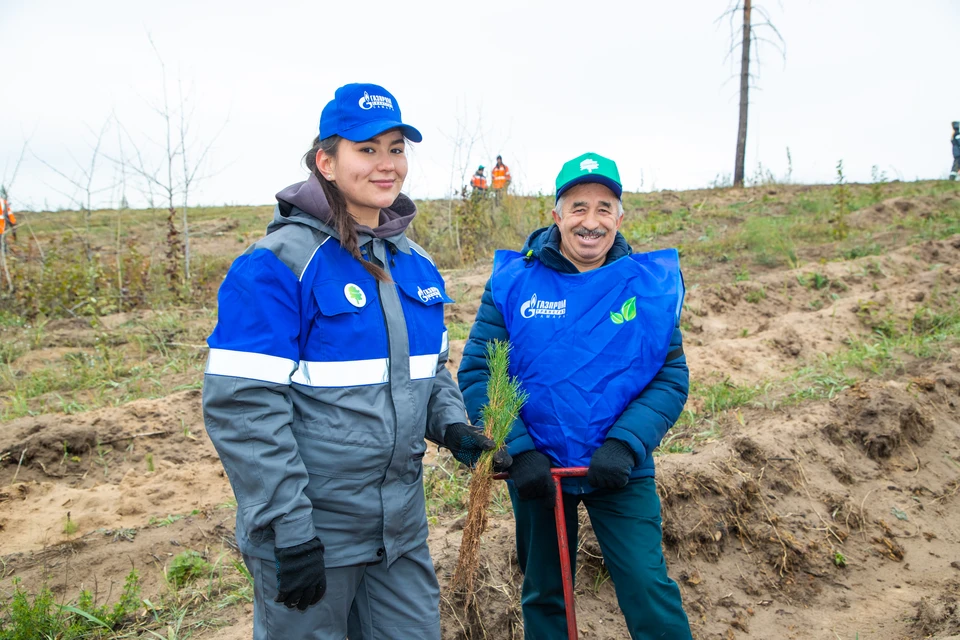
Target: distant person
(596,343)
(6,215)
(326,371)
(479,181)
(501,178)
(955,140)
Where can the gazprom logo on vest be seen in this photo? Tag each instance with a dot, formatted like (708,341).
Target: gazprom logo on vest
(428,294)
(369,102)
(545,308)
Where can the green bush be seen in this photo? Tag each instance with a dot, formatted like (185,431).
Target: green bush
(23,619)
(186,568)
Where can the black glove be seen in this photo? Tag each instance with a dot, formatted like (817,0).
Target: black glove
(530,473)
(466,443)
(611,465)
(301,576)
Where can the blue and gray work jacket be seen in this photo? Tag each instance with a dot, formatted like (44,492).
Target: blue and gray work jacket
(322,384)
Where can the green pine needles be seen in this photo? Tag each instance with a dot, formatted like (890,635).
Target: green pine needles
(504,396)
(504,400)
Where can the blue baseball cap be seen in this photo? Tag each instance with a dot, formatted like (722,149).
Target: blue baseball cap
(359,112)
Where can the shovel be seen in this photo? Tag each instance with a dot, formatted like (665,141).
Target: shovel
(562,542)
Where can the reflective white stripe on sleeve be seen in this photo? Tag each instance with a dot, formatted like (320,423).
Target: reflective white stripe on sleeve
(359,373)
(350,373)
(444,343)
(422,367)
(253,366)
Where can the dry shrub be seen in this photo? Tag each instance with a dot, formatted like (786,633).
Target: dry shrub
(72,279)
(467,229)
(69,278)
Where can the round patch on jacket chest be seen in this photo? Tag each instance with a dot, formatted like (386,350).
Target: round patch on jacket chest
(354,295)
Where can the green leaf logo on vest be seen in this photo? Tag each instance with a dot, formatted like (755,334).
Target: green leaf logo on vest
(355,295)
(627,312)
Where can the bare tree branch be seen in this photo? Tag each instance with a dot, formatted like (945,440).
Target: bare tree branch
(8,184)
(84,183)
(463,139)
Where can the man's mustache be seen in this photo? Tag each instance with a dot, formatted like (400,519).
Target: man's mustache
(583,232)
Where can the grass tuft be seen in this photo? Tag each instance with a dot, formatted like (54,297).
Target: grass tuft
(186,568)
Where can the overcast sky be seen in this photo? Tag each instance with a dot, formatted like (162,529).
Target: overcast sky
(643,82)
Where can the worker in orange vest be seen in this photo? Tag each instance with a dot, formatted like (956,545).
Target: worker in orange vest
(479,181)
(6,215)
(501,178)
(501,175)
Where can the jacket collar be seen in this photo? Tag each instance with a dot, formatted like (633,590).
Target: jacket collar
(305,203)
(283,215)
(545,244)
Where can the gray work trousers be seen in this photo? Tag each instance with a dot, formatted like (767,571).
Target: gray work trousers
(362,602)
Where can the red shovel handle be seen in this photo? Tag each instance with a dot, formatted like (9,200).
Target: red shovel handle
(562,542)
(556,472)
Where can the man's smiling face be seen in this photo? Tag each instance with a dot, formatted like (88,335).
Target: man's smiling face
(588,224)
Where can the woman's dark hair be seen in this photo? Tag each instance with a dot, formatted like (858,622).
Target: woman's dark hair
(343,222)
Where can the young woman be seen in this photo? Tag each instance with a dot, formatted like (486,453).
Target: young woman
(326,372)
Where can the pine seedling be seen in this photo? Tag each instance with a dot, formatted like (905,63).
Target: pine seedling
(879,178)
(504,400)
(504,397)
(841,205)
(69,526)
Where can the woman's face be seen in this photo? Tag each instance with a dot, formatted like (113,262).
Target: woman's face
(369,174)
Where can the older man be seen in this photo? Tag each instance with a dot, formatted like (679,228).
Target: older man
(596,344)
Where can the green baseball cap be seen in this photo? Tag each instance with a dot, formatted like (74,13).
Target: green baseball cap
(590,167)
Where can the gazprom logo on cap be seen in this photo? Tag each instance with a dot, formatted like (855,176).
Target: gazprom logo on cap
(380,102)
(588,165)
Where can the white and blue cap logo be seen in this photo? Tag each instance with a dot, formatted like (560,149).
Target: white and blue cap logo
(359,112)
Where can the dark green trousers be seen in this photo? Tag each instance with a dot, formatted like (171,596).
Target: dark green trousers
(628,527)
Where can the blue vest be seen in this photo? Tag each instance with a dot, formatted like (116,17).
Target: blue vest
(585,344)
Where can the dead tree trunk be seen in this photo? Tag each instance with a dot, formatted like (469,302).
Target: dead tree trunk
(744,97)
(174,267)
